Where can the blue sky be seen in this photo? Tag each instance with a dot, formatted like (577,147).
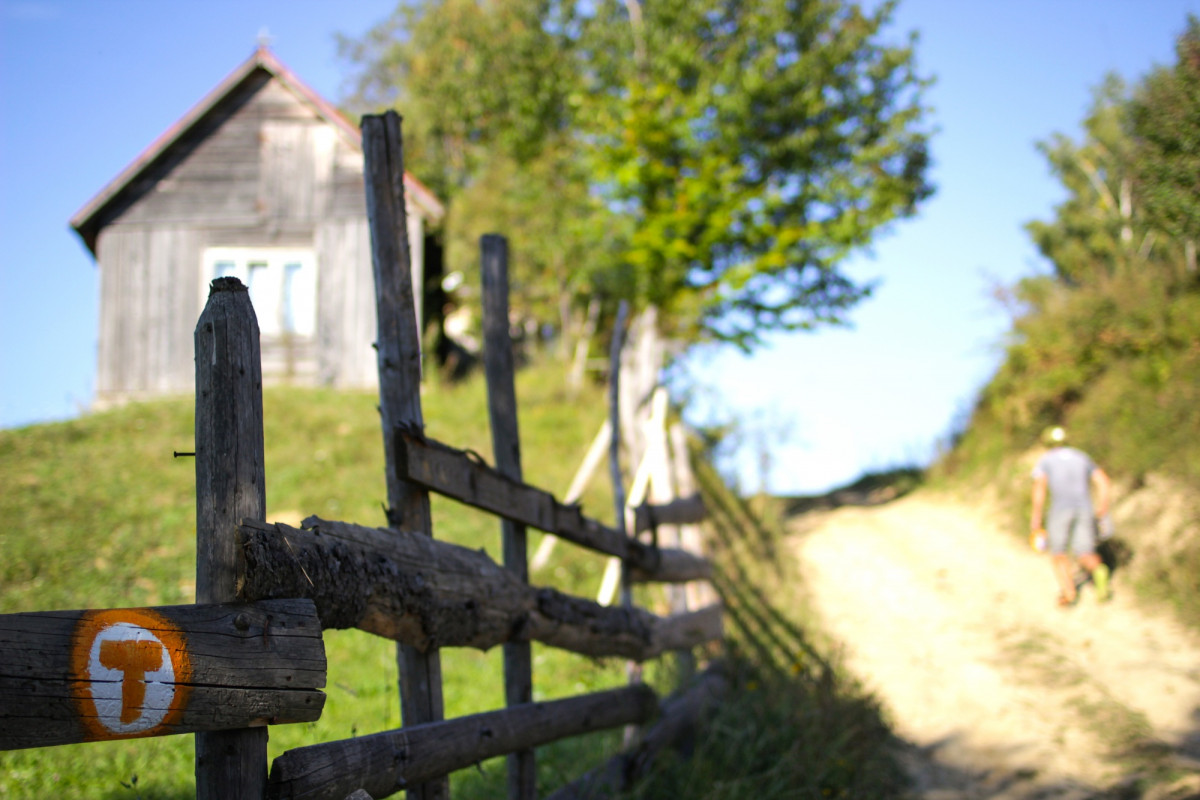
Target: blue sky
(86,85)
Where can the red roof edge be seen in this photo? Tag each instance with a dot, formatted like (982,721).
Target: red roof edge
(262,58)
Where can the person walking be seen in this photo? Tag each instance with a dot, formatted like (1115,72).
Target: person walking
(1068,475)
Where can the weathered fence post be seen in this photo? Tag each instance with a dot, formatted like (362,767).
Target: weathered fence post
(398,346)
(230,478)
(506,447)
(614,448)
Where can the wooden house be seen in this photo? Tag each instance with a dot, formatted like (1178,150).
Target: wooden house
(262,180)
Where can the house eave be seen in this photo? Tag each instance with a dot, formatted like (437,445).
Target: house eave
(88,220)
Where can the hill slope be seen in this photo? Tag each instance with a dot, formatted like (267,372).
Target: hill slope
(98,514)
(951,621)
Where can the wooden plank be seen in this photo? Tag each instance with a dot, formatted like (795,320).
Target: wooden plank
(673,565)
(399,355)
(75,676)
(416,590)
(506,447)
(456,474)
(680,511)
(384,763)
(679,718)
(230,485)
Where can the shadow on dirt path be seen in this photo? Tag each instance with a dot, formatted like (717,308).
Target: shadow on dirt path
(999,693)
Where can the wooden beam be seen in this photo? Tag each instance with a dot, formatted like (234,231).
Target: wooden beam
(506,447)
(456,474)
(384,763)
(674,566)
(680,511)
(398,347)
(679,718)
(75,676)
(230,485)
(413,589)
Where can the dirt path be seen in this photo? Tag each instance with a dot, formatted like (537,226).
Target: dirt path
(951,622)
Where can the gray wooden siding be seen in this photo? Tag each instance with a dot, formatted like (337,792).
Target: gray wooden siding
(345,305)
(272,163)
(149,291)
(264,171)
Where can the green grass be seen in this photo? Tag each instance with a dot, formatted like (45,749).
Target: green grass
(99,514)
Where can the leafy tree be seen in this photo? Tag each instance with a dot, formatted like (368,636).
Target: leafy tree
(474,80)
(1107,341)
(754,145)
(1100,227)
(718,160)
(1165,116)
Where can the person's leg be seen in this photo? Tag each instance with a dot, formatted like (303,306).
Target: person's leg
(1064,573)
(1083,544)
(1058,532)
(1099,572)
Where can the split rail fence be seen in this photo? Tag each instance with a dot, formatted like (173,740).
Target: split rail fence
(250,653)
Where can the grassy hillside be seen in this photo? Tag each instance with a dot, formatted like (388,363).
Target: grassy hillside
(99,514)
(1117,362)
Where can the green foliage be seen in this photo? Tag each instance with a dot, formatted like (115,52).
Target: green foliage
(753,145)
(1107,340)
(1093,231)
(1108,343)
(487,93)
(103,516)
(719,161)
(785,738)
(1165,114)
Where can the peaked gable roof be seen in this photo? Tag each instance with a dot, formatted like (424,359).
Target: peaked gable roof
(88,221)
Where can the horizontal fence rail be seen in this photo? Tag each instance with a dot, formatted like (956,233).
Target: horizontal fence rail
(678,716)
(456,474)
(251,653)
(425,593)
(384,763)
(76,676)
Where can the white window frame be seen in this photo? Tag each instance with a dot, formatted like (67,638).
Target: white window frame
(268,286)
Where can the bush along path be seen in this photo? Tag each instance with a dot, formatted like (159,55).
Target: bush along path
(950,620)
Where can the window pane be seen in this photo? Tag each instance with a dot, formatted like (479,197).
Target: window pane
(264,296)
(224,269)
(299,298)
(290,272)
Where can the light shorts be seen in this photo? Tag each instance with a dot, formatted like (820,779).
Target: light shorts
(1071,526)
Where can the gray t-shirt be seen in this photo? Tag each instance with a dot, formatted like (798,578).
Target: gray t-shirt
(1068,473)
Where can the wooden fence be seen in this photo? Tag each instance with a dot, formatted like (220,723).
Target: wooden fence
(249,654)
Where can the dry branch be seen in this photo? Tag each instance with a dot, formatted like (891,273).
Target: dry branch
(384,763)
(427,593)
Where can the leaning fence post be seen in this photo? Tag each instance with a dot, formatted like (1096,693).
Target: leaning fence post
(614,462)
(398,345)
(506,447)
(614,448)
(230,479)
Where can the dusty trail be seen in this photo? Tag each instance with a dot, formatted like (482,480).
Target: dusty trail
(952,623)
